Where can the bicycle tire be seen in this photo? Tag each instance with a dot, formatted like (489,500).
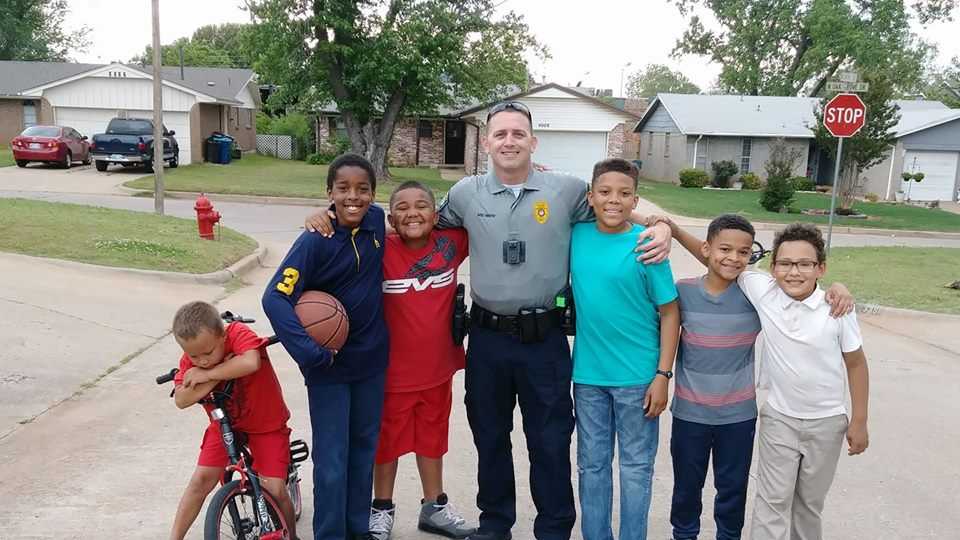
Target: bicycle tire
(231,515)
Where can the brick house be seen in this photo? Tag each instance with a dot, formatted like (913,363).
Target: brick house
(574,131)
(196,100)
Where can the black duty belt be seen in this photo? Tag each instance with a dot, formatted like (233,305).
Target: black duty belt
(530,325)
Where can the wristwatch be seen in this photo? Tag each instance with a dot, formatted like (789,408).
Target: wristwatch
(667,374)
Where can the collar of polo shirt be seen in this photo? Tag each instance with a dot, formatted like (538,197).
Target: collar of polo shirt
(535,182)
(813,301)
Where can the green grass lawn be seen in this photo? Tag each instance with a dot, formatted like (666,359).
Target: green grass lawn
(903,277)
(115,237)
(6,157)
(708,204)
(261,175)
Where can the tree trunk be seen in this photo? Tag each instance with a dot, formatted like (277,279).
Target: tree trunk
(848,185)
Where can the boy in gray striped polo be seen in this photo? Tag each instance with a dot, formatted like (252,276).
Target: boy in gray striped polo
(714,405)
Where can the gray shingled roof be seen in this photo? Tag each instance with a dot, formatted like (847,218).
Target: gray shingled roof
(738,116)
(15,77)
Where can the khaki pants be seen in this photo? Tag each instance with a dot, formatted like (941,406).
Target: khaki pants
(797,461)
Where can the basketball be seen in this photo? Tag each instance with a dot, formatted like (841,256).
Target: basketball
(324,319)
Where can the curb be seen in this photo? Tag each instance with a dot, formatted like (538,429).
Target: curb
(766,226)
(227,197)
(877,312)
(219,277)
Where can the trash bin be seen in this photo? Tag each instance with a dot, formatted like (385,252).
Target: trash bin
(211,150)
(638,163)
(218,148)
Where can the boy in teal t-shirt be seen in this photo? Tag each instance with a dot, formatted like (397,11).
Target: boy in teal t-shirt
(628,326)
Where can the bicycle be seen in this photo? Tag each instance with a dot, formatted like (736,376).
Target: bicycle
(242,509)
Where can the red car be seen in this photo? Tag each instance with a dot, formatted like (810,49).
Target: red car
(63,146)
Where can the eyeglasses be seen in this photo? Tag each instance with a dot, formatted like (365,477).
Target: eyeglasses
(511,105)
(805,267)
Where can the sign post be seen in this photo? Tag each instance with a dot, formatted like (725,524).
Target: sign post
(843,117)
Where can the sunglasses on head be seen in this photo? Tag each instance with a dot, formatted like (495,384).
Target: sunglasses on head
(509,105)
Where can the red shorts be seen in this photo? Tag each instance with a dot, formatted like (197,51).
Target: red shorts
(415,422)
(271,451)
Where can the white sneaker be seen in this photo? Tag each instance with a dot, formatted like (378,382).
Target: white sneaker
(440,517)
(381,523)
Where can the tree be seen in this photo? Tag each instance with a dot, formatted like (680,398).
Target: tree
(869,146)
(944,84)
(658,78)
(378,59)
(214,45)
(33,30)
(792,47)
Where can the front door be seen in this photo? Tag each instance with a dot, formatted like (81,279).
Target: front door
(455,137)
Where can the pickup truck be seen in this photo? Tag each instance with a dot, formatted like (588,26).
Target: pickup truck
(129,141)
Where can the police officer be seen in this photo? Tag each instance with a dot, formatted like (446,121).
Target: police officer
(519,222)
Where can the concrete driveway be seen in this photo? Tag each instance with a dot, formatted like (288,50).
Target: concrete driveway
(40,177)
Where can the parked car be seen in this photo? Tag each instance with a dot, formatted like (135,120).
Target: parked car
(129,141)
(63,146)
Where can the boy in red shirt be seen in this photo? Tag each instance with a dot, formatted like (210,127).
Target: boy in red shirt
(214,354)
(419,286)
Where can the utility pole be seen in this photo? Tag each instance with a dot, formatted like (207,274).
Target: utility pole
(157,113)
(622,69)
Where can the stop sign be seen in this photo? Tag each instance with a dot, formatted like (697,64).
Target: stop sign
(844,115)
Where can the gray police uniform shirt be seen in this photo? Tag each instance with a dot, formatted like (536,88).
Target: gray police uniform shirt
(542,216)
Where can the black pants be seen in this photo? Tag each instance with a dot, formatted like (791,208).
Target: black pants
(691,445)
(501,371)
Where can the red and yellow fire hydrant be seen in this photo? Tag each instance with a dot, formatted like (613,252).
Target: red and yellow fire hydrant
(206,216)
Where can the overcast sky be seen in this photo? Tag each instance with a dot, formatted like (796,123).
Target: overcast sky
(588,41)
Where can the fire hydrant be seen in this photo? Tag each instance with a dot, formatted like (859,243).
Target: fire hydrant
(206,216)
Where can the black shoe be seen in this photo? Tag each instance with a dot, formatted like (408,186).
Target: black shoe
(364,536)
(490,536)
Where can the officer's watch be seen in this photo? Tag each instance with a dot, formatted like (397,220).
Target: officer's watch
(667,374)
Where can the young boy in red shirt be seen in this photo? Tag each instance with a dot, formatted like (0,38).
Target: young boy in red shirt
(213,354)
(419,286)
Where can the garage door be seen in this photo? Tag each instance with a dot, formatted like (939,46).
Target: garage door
(940,175)
(92,121)
(573,152)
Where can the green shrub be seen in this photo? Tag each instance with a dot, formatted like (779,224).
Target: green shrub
(777,194)
(321,158)
(750,181)
(872,197)
(293,124)
(802,183)
(693,178)
(723,171)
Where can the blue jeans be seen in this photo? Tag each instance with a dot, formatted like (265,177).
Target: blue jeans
(345,418)
(605,412)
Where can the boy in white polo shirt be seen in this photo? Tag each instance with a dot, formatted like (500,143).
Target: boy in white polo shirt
(804,421)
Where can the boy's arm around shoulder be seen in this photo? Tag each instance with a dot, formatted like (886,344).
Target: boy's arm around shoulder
(689,242)
(298,269)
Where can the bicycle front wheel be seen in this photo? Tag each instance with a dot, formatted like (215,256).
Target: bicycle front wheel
(232,515)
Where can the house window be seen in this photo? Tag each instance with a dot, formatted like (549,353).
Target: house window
(745,150)
(425,129)
(29,114)
(666,145)
(338,128)
(249,118)
(649,143)
(236,116)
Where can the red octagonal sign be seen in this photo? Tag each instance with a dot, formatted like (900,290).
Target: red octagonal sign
(844,115)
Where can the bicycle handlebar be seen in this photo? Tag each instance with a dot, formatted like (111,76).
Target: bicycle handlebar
(168,376)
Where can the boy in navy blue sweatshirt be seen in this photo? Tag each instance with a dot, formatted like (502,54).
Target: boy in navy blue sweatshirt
(345,387)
